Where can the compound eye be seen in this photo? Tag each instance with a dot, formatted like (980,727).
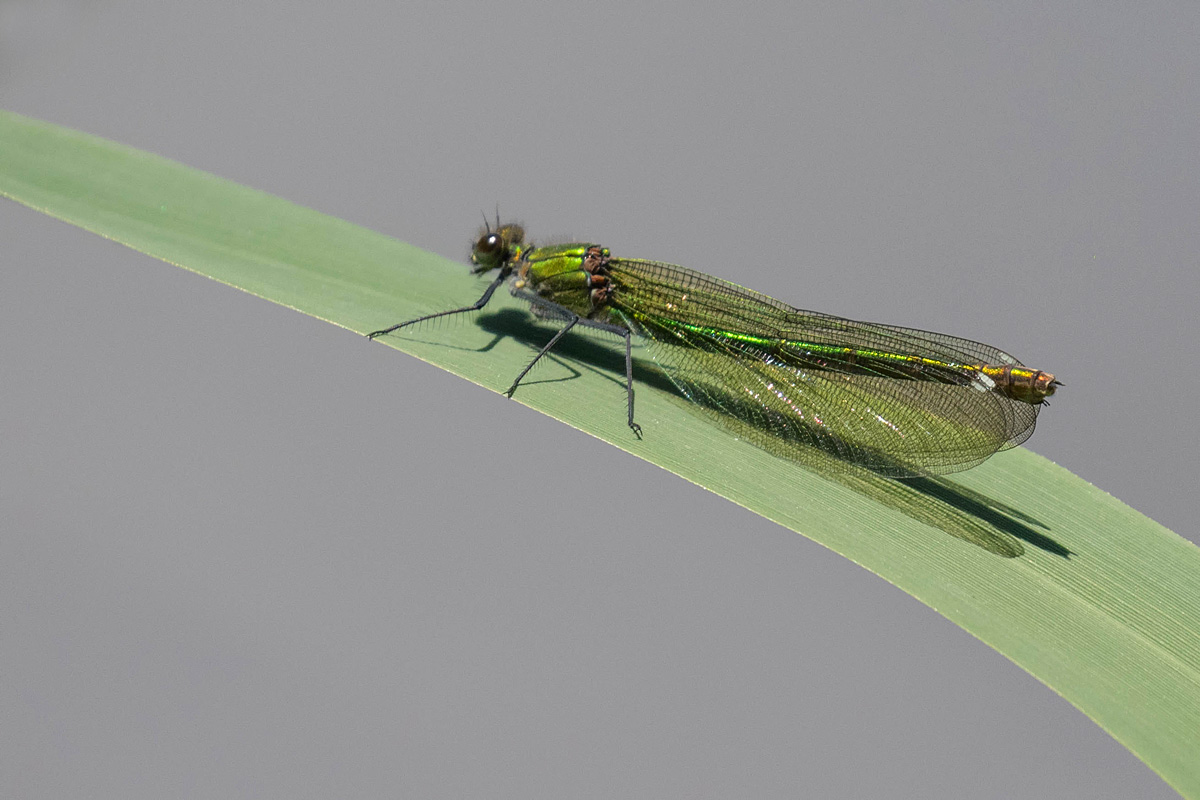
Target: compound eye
(489,252)
(489,244)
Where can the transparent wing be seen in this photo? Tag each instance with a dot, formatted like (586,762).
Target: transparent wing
(713,340)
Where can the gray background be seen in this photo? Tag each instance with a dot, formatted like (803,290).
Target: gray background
(222,576)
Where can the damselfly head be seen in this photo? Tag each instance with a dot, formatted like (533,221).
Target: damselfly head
(494,247)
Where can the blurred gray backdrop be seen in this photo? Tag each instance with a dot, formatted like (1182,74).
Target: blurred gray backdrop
(204,598)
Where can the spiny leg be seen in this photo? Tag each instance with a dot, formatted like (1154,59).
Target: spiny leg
(478,304)
(637,429)
(619,330)
(549,346)
(627,335)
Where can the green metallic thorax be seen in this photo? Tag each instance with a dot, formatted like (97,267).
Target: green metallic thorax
(566,274)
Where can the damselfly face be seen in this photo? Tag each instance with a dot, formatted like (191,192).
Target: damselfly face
(493,248)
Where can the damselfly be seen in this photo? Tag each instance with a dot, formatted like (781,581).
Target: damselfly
(898,401)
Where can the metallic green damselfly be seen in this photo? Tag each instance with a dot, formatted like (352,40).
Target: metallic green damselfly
(898,401)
